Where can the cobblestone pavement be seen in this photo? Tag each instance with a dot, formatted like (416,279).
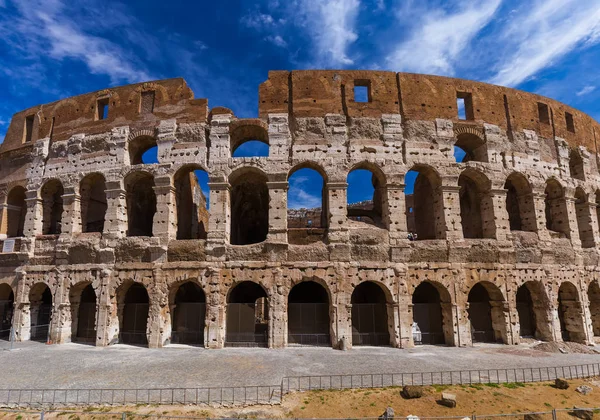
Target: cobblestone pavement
(36,365)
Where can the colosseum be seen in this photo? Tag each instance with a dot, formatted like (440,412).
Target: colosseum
(501,246)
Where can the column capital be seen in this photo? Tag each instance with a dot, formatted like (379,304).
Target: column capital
(277,185)
(219,186)
(337,185)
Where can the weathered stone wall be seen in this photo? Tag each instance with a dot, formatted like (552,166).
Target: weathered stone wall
(539,230)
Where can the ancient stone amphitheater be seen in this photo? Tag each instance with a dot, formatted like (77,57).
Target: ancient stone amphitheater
(99,247)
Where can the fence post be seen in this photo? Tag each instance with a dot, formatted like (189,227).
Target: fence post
(42,415)
(554,414)
(12,337)
(123,416)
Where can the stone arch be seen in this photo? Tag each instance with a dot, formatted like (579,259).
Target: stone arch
(486,313)
(533,311)
(309,313)
(425,206)
(133,312)
(302,222)
(92,191)
(247,323)
(370,314)
(7,301)
(141,203)
(187,303)
(432,312)
(584,218)
(16,211)
(40,311)
(570,313)
(473,145)
(576,167)
(557,218)
(190,203)
(139,145)
(373,211)
(476,206)
(83,301)
(594,300)
(249,206)
(519,203)
(52,207)
(243,131)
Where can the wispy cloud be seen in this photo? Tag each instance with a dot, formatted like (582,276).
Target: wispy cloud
(586,90)
(276,40)
(541,34)
(439,37)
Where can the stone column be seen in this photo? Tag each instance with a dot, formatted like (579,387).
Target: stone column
(337,233)
(393,312)
(394,213)
(21,321)
(539,203)
(158,329)
(449,315)
(528,213)
(464,324)
(278,316)
(572,219)
(60,324)
(33,220)
(106,324)
(451,206)
(115,225)
(3,217)
(219,221)
(586,214)
(277,211)
(501,321)
(165,219)
(404,313)
(71,218)
(499,226)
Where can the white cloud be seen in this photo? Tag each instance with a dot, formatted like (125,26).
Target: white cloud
(542,34)
(440,37)
(586,90)
(257,21)
(299,198)
(276,40)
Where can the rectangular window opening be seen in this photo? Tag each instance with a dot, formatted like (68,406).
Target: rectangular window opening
(28,129)
(147,102)
(544,113)
(102,109)
(362,91)
(464,103)
(570,123)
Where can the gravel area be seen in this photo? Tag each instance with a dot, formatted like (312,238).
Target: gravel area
(36,365)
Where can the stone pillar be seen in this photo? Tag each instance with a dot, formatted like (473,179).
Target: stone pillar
(277,211)
(586,214)
(449,315)
(501,321)
(528,212)
(451,205)
(33,220)
(337,233)
(60,324)
(464,324)
(394,213)
(115,225)
(219,222)
(278,315)
(71,218)
(106,323)
(158,329)
(499,226)
(21,321)
(539,203)
(404,313)
(340,317)
(165,219)
(572,219)
(3,216)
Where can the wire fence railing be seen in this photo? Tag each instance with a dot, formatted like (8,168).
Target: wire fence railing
(273,394)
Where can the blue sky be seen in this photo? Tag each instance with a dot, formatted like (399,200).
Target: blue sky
(53,49)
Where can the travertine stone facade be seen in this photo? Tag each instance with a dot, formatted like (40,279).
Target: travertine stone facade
(109,249)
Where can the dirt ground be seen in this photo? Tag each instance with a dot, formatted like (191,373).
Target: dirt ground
(478,399)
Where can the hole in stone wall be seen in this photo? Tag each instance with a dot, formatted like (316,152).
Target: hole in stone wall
(249,140)
(52,205)
(102,109)
(249,208)
(82,298)
(143,149)
(191,192)
(527,320)
(16,212)
(584,220)
(28,128)
(7,299)
(369,316)
(464,104)
(557,219)
(543,113)
(476,211)
(469,147)
(247,316)
(569,313)
(40,312)
(147,102)
(251,148)
(569,121)
(308,315)
(427,315)
(362,91)
(93,203)
(576,167)
(134,317)
(307,206)
(141,203)
(365,196)
(594,298)
(519,203)
(480,315)
(424,203)
(189,314)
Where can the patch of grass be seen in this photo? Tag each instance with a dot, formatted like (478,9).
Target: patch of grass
(513,385)
(476,386)
(372,404)
(548,405)
(440,388)
(492,385)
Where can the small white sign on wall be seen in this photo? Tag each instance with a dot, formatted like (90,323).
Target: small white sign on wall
(8,246)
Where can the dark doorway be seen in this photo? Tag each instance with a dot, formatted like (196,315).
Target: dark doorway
(480,315)
(188,315)
(427,313)
(135,316)
(249,209)
(86,316)
(570,313)
(308,315)
(369,316)
(7,300)
(40,312)
(141,204)
(525,311)
(247,316)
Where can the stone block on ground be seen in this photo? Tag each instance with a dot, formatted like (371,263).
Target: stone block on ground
(561,383)
(448,400)
(411,391)
(387,414)
(584,389)
(582,413)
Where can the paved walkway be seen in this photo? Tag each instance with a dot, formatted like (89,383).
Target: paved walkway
(36,365)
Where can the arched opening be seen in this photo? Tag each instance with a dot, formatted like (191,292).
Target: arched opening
(247,316)
(93,203)
(143,149)
(249,208)
(519,203)
(428,315)
(40,312)
(486,313)
(52,204)
(134,319)
(307,206)
(83,313)
(369,316)
(189,310)
(470,147)
(308,315)
(584,219)
(366,194)
(7,303)
(141,203)
(527,321)
(594,298)
(557,219)
(191,203)
(424,204)
(16,212)
(576,167)
(476,207)
(570,314)
(249,140)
